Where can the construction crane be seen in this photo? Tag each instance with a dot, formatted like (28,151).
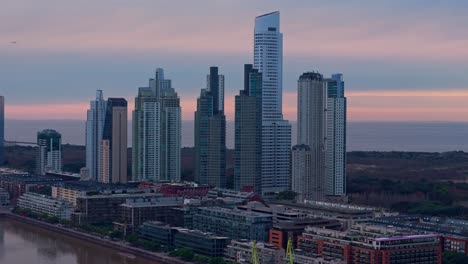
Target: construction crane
(290,252)
(255,259)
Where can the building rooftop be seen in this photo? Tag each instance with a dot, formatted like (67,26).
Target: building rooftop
(333,207)
(153,202)
(234,211)
(29,178)
(426,224)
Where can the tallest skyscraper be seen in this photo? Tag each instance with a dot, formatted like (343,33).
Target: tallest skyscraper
(276,132)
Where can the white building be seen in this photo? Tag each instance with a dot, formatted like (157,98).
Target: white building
(276,132)
(311,131)
(156,131)
(335,183)
(94,128)
(268,59)
(43,204)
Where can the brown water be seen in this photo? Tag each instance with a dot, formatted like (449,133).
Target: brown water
(25,244)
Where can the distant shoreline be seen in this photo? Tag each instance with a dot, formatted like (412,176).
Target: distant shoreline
(420,136)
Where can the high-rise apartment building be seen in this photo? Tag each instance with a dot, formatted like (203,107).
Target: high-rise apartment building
(156,131)
(335,183)
(276,132)
(210,133)
(146,136)
(94,131)
(301,171)
(48,151)
(248,133)
(311,131)
(2,130)
(113,159)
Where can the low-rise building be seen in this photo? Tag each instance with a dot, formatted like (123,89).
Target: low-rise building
(138,210)
(17,184)
(71,190)
(4,197)
(347,214)
(301,258)
(366,244)
(201,243)
(233,223)
(454,232)
(104,208)
(207,244)
(281,232)
(43,204)
(277,211)
(240,251)
(158,232)
(244,197)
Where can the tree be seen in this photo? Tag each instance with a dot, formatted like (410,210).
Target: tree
(201,259)
(451,257)
(217,260)
(185,253)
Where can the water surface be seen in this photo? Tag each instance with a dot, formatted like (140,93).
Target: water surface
(24,244)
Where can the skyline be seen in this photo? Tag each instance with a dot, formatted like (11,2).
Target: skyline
(404,65)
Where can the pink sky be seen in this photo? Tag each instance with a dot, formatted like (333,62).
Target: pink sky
(390,105)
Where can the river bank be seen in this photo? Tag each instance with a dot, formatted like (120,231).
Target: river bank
(119,246)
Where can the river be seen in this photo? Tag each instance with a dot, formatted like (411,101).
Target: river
(25,244)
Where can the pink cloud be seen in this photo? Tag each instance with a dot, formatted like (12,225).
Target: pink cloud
(410,105)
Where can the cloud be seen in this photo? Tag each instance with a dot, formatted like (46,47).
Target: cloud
(409,105)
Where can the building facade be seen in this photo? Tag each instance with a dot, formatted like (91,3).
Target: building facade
(311,132)
(48,151)
(43,204)
(248,133)
(203,243)
(276,132)
(367,244)
(233,223)
(2,130)
(335,183)
(113,160)
(94,130)
(241,252)
(301,166)
(156,131)
(210,133)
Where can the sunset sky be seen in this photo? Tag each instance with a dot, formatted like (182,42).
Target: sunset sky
(402,60)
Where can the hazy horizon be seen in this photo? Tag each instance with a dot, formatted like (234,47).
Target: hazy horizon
(366,136)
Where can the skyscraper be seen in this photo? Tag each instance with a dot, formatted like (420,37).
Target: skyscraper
(113,159)
(94,130)
(171,135)
(2,130)
(210,133)
(276,132)
(248,132)
(268,59)
(156,131)
(311,132)
(48,151)
(335,182)
(146,136)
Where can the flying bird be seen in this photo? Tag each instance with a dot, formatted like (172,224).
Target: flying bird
(13,42)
